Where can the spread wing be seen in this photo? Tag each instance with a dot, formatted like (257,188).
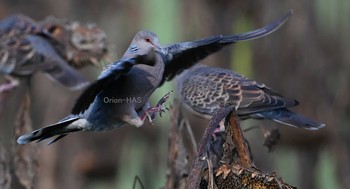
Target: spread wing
(109,74)
(180,56)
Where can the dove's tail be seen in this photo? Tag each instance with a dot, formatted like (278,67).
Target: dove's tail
(61,129)
(292,119)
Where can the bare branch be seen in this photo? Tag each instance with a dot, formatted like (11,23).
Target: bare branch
(197,164)
(238,141)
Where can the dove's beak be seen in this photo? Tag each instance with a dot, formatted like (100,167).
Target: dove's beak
(158,49)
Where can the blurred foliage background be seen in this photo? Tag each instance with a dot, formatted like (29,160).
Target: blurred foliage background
(307,59)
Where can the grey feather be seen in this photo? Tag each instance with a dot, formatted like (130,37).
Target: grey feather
(116,98)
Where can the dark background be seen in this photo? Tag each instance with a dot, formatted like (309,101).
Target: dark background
(307,59)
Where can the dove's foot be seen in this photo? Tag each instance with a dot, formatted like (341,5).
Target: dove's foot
(9,85)
(220,129)
(152,111)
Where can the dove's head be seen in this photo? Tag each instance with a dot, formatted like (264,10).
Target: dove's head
(143,42)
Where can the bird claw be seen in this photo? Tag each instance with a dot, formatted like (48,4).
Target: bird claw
(163,110)
(151,112)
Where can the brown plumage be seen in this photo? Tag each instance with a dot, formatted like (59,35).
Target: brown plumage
(204,90)
(15,47)
(80,44)
(27,46)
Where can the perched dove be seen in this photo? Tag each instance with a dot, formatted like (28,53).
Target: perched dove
(27,47)
(204,90)
(104,105)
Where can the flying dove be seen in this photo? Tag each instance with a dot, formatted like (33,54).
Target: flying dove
(204,90)
(120,95)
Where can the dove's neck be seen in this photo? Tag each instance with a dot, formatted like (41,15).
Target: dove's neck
(155,72)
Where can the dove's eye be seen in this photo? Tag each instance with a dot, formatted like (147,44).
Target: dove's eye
(148,40)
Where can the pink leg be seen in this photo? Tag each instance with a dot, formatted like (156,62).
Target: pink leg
(152,111)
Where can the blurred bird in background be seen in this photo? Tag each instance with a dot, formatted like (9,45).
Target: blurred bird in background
(54,47)
(51,46)
(79,44)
